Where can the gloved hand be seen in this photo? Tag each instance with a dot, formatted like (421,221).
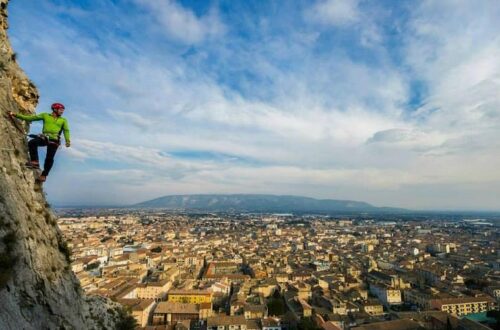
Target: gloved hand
(68,144)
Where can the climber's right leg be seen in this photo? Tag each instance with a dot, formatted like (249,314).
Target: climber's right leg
(33,145)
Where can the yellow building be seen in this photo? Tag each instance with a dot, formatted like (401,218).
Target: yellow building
(303,290)
(190,296)
(373,308)
(154,290)
(206,311)
(464,305)
(266,290)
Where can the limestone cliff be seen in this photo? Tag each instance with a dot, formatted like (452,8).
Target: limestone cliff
(38,290)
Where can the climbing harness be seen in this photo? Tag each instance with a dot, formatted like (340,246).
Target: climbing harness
(46,138)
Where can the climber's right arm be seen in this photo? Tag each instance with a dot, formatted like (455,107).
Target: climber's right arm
(29,117)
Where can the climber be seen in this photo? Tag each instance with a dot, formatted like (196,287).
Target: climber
(53,125)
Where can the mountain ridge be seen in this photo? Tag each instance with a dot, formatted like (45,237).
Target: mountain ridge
(260,203)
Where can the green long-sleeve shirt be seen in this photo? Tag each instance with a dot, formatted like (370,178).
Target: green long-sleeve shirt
(51,126)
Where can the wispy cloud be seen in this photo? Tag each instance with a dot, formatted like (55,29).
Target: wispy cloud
(335,12)
(181,23)
(133,118)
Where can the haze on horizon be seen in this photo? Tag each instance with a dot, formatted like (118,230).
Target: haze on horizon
(395,103)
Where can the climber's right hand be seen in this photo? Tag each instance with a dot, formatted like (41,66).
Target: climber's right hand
(11,114)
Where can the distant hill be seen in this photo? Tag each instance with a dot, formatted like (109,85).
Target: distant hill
(260,203)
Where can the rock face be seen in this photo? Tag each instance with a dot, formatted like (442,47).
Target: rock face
(38,290)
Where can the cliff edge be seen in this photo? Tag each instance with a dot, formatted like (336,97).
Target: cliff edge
(38,290)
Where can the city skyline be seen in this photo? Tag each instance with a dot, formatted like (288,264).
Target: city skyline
(390,104)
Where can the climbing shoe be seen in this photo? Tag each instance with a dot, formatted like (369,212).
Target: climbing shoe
(33,165)
(42,178)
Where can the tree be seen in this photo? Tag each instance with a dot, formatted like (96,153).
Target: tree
(448,324)
(475,284)
(306,323)
(126,320)
(496,315)
(93,265)
(276,306)
(156,249)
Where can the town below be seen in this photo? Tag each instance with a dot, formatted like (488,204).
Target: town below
(243,271)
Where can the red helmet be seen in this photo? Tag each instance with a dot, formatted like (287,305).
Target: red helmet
(57,106)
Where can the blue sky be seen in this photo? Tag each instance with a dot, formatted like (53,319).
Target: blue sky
(390,102)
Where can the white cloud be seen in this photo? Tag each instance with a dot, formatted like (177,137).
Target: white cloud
(454,50)
(181,23)
(335,12)
(133,118)
(138,157)
(408,138)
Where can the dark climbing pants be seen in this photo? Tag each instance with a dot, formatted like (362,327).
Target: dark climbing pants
(51,145)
